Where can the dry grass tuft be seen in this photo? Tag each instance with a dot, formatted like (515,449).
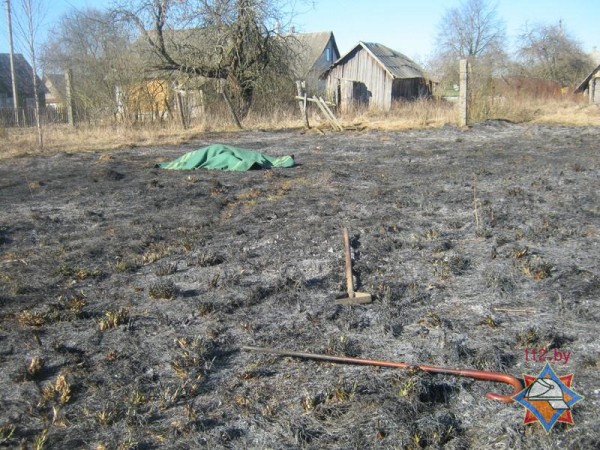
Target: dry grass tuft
(59,391)
(35,367)
(31,318)
(162,290)
(113,318)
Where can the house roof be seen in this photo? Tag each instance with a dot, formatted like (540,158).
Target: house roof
(55,83)
(584,84)
(393,62)
(23,73)
(595,55)
(308,48)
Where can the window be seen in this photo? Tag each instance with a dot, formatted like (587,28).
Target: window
(328,54)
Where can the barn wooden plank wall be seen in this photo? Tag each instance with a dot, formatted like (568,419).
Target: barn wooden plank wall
(363,68)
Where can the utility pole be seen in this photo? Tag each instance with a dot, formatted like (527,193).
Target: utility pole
(12,63)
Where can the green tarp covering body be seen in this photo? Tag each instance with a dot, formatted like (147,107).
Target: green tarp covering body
(226,157)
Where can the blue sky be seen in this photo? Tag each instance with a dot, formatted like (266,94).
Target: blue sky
(407,26)
(411,26)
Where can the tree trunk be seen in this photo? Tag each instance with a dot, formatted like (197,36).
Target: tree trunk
(232,110)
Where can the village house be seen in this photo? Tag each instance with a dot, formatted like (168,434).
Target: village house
(314,54)
(23,72)
(56,91)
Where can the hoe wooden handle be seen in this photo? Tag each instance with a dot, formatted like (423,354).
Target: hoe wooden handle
(348,256)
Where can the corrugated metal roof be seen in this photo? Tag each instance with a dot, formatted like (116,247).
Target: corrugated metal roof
(395,63)
(399,65)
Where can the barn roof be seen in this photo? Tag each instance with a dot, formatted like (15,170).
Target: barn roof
(393,62)
(584,84)
(23,73)
(308,48)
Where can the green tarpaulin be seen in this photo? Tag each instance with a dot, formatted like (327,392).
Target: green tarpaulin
(226,157)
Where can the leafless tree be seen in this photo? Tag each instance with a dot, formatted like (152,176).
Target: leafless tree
(230,40)
(549,52)
(474,31)
(95,48)
(29,18)
(471,30)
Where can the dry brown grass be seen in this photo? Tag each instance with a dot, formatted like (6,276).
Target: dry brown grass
(405,115)
(62,138)
(566,110)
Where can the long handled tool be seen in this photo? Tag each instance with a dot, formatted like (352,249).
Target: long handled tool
(469,373)
(354,298)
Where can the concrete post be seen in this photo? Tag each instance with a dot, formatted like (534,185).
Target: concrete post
(70,97)
(463,95)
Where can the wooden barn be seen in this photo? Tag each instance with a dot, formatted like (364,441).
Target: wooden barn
(373,75)
(591,86)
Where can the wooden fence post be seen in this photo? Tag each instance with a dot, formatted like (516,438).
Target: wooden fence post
(303,109)
(463,94)
(180,109)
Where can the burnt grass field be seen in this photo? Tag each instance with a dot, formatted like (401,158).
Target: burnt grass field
(126,291)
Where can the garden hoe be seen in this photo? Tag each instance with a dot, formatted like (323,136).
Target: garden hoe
(468,373)
(354,298)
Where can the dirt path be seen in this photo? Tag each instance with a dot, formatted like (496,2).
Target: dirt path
(126,291)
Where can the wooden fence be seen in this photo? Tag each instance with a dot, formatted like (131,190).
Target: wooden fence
(27,116)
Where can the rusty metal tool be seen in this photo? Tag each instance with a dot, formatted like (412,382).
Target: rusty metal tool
(354,297)
(483,375)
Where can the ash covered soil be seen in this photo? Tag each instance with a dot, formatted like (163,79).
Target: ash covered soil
(126,291)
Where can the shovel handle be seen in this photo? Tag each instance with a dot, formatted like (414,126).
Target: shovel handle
(348,256)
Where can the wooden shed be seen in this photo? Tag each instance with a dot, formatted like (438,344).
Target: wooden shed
(373,75)
(591,86)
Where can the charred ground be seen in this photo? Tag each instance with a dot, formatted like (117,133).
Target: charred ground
(126,291)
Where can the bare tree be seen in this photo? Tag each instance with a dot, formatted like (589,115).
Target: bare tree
(95,48)
(28,21)
(550,53)
(473,31)
(231,40)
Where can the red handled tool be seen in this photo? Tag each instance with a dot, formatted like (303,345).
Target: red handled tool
(468,373)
